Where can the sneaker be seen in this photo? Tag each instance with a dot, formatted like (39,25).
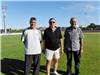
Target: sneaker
(68,74)
(56,73)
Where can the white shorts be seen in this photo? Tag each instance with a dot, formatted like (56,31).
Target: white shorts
(52,54)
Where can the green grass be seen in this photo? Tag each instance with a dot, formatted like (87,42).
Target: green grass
(12,56)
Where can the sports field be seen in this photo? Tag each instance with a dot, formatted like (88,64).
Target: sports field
(12,56)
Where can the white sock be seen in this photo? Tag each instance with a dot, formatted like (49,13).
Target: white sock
(48,74)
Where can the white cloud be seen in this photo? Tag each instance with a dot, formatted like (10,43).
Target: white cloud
(89,16)
(89,8)
(64,8)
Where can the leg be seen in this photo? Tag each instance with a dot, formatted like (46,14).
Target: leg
(36,65)
(55,65)
(69,62)
(49,56)
(28,62)
(77,62)
(56,59)
(48,64)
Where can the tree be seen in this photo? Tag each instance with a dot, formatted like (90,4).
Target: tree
(92,25)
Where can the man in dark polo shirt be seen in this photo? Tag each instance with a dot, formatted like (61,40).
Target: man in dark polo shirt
(53,44)
(73,44)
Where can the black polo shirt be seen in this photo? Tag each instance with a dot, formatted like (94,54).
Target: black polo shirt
(52,38)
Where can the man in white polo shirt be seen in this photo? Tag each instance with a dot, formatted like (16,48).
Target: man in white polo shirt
(31,38)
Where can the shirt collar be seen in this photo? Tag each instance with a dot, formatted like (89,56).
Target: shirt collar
(74,27)
(53,29)
(32,29)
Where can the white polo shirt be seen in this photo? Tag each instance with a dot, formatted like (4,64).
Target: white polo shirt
(31,39)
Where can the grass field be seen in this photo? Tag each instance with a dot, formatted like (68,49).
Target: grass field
(12,56)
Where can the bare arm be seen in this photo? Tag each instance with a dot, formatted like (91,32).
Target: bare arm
(43,46)
(62,47)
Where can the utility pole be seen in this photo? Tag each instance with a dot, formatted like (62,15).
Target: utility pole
(4,9)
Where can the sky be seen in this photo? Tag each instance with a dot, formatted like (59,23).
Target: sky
(19,12)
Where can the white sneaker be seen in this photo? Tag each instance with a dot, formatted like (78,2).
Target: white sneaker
(48,74)
(56,73)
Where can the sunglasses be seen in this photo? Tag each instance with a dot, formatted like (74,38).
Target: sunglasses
(52,22)
(33,22)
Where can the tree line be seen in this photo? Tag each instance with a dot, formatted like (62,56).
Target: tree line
(89,28)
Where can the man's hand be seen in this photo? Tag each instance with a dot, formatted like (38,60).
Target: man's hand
(62,51)
(81,51)
(81,47)
(43,51)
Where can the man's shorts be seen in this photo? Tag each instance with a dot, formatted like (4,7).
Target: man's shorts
(50,54)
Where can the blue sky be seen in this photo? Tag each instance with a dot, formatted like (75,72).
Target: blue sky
(19,12)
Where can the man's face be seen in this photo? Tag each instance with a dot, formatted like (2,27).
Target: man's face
(73,22)
(33,24)
(52,23)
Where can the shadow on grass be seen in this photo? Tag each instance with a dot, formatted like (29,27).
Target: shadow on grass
(43,70)
(16,67)
(12,66)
